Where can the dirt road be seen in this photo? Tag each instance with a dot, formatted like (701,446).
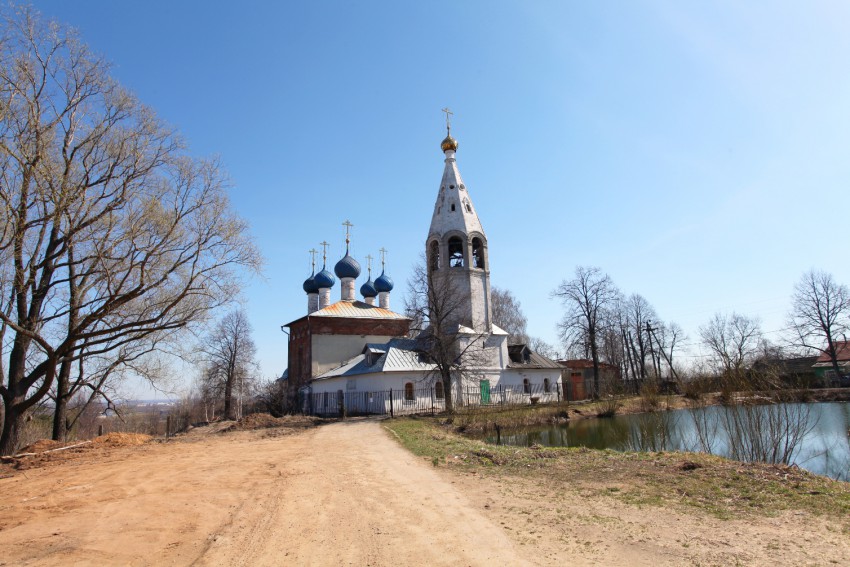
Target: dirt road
(348,494)
(342,494)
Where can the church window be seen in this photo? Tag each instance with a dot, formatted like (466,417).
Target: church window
(477,253)
(467,206)
(451,186)
(455,252)
(453,207)
(546,387)
(438,391)
(408,392)
(434,256)
(526,386)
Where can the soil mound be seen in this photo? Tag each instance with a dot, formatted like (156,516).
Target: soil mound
(116,439)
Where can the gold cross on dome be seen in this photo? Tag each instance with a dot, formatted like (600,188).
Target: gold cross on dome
(449,113)
(348,226)
(324,246)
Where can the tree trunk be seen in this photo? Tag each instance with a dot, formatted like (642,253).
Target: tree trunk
(13,421)
(228,397)
(60,412)
(595,356)
(13,418)
(447,392)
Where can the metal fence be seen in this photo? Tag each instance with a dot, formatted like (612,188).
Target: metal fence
(425,400)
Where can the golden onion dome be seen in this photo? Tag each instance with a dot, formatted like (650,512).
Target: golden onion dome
(449,144)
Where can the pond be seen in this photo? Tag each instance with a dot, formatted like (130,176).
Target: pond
(813,436)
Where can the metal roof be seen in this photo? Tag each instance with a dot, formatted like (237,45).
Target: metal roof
(842,353)
(535,360)
(398,355)
(356,309)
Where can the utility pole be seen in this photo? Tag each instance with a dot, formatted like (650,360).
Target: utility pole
(661,348)
(655,366)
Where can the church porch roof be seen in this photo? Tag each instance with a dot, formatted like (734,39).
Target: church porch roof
(398,355)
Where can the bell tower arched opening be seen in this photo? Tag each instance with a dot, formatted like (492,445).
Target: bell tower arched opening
(456,252)
(478,260)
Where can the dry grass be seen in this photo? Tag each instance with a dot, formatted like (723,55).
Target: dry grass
(716,485)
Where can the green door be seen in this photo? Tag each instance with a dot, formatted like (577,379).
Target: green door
(485,392)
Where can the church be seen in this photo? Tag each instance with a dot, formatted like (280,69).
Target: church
(360,356)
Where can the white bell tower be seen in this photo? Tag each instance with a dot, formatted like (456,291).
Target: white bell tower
(456,247)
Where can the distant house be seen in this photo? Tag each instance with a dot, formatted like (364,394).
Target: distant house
(577,377)
(824,371)
(794,372)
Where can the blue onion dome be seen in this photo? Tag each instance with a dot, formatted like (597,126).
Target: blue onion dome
(310,284)
(384,283)
(368,289)
(347,267)
(324,279)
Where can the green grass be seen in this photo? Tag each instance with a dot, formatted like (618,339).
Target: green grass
(718,486)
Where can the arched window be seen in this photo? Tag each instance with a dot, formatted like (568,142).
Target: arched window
(467,206)
(477,253)
(434,256)
(453,207)
(546,387)
(526,386)
(438,391)
(455,252)
(408,392)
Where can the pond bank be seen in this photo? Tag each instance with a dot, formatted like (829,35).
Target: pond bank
(664,508)
(482,420)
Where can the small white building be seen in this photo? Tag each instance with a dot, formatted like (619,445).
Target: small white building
(357,356)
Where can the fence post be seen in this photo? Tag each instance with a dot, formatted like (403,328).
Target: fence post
(167,426)
(558,391)
(391,403)
(100,430)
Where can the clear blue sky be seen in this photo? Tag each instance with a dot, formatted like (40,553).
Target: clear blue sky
(697,152)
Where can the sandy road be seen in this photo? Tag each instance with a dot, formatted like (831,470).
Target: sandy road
(342,494)
(348,494)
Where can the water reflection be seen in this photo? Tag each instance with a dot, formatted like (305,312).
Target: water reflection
(815,437)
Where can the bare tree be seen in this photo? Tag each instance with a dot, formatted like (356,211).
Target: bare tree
(733,341)
(507,314)
(636,321)
(89,379)
(668,337)
(230,352)
(434,298)
(110,233)
(540,346)
(586,299)
(820,314)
